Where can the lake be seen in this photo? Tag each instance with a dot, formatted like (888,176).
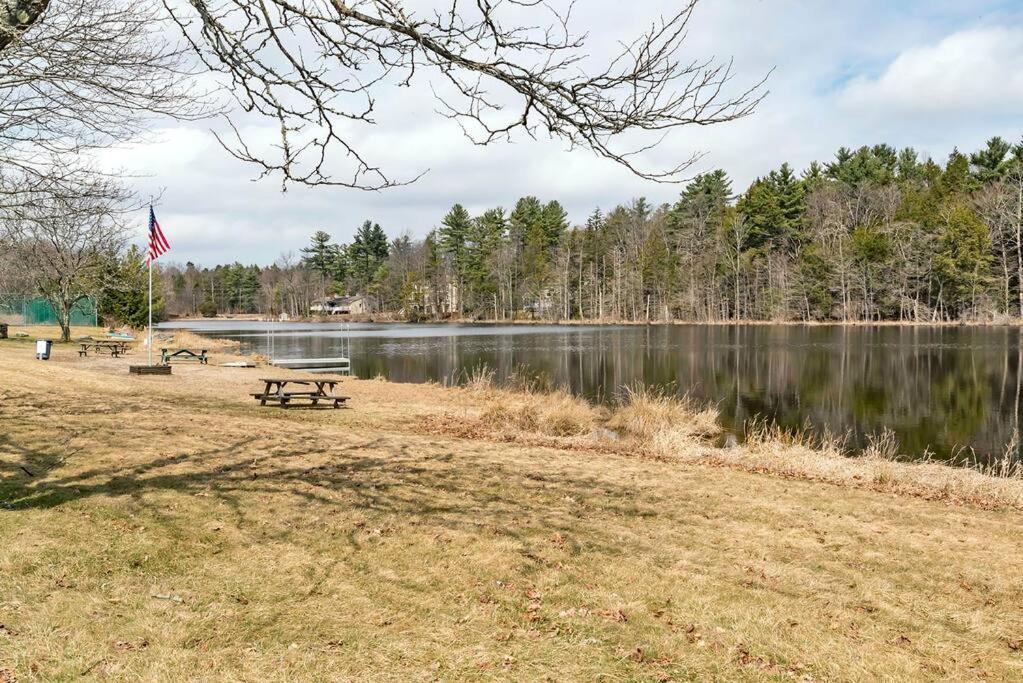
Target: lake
(942,389)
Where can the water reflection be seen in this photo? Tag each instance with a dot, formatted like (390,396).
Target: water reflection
(936,388)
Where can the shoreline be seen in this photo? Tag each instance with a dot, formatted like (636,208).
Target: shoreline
(1013,323)
(681,430)
(958,455)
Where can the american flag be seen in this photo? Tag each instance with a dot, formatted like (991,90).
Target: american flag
(158,244)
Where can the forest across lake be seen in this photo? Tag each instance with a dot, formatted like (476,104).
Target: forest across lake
(953,392)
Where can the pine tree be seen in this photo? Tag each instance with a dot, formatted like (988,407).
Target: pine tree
(761,207)
(366,254)
(454,234)
(432,271)
(956,180)
(318,255)
(908,168)
(125,297)
(554,219)
(963,259)
(870,251)
(990,164)
(482,242)
(524,228)
(792,205)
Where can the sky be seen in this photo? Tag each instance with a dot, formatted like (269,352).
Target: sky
(931,74)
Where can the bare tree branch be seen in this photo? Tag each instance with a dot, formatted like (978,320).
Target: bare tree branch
(79,75)
(315,66)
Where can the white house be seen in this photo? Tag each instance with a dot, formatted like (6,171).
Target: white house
(342,305)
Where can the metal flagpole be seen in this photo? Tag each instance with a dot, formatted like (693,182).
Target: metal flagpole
(150,294)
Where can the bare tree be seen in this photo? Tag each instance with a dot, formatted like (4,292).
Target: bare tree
(501,66)
(61,243)
(737,238)
(77,75)
(1014,188)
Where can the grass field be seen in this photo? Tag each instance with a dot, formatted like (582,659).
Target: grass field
(50,332)
(168,528)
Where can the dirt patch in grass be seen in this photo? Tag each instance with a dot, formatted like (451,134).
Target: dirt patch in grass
(170,528)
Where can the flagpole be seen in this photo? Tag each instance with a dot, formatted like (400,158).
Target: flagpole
(150,300)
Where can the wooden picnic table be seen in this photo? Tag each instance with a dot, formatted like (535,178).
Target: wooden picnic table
(184,354)
(114,348)
(276,391)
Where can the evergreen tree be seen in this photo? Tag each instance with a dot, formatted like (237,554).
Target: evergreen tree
(366,254)
(527,237)
(814,272)
(554,220)
(482,243)
(319,255)
(433,267)
(761,207)
(908,167)
(963,259)
(791,203)
(956,180)
(125,297)
(870,251)
(990,164)
(454,234)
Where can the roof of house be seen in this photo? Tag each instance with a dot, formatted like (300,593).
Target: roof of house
(340,300)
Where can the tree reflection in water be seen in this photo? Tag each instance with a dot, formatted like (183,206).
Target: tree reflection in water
(936,388)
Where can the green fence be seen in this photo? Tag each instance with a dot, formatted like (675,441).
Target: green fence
(39,311)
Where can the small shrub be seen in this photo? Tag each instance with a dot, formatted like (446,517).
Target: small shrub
(479,379)
(648,414)
(558,414)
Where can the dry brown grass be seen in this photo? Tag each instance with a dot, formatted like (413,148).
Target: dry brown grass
(52,332)
(161,528)
(556,414)
(666,423)
(802,455)
(184,339)
(663,425)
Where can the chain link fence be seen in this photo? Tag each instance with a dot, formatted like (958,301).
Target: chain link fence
(22,310)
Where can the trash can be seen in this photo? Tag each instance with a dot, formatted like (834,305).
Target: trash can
(3,330)
(43,349)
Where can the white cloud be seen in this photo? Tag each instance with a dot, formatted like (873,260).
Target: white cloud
(978,70)
(821,98)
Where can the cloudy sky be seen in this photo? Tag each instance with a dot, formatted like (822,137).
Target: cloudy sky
(933,74)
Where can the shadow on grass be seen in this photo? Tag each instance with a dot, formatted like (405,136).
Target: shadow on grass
(429,484)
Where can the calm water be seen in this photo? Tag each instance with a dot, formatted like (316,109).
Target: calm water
(936,388)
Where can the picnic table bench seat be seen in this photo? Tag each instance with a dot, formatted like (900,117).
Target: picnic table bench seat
(275,392)
(286,400)
(114,348)
(195,355)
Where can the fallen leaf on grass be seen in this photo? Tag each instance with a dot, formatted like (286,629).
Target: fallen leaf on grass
(128,646)
(614,615)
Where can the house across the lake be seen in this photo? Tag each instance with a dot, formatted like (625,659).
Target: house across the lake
(342,305)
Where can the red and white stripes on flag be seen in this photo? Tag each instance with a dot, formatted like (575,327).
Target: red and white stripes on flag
(158,244)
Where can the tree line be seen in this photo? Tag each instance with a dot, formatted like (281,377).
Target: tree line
(81,76)
(874,234)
